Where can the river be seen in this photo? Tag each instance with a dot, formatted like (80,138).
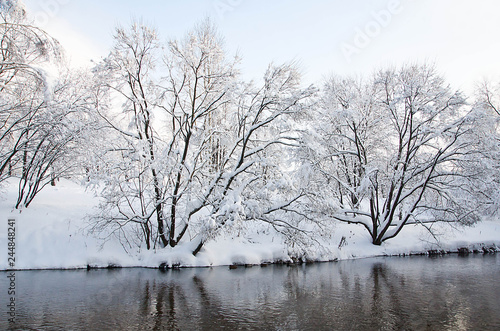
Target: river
(387,293)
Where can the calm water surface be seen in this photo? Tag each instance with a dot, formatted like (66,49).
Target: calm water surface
(412,293)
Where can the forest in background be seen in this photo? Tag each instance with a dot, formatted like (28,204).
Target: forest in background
(178,148)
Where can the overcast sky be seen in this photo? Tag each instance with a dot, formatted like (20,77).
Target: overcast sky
(324,36)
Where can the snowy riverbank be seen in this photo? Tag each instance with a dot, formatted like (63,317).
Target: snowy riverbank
(51,233)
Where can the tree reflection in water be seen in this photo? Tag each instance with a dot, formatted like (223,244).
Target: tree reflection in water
(418,293)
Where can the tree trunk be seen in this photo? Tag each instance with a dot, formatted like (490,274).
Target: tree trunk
(198,248)
(147,235)
(175,198)
(161,226)
(159,210)
(172,221)
(52,179)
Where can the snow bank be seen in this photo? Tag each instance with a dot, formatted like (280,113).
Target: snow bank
(51,233)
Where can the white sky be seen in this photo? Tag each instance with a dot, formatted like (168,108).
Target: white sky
(324,36)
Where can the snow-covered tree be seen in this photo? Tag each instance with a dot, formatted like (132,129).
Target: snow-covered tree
(395,148)
(486,135)
(24,49)
(58,137)
(343,140)
(192,138)
(255,180)
(41,110)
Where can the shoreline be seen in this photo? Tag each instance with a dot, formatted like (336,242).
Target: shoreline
(461,251)
(52,235)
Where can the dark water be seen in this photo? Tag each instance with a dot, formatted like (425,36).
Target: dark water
(412,293)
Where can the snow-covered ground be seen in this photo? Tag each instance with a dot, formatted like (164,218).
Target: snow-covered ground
(52,233)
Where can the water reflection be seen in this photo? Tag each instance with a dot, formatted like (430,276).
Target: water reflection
(418,293)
